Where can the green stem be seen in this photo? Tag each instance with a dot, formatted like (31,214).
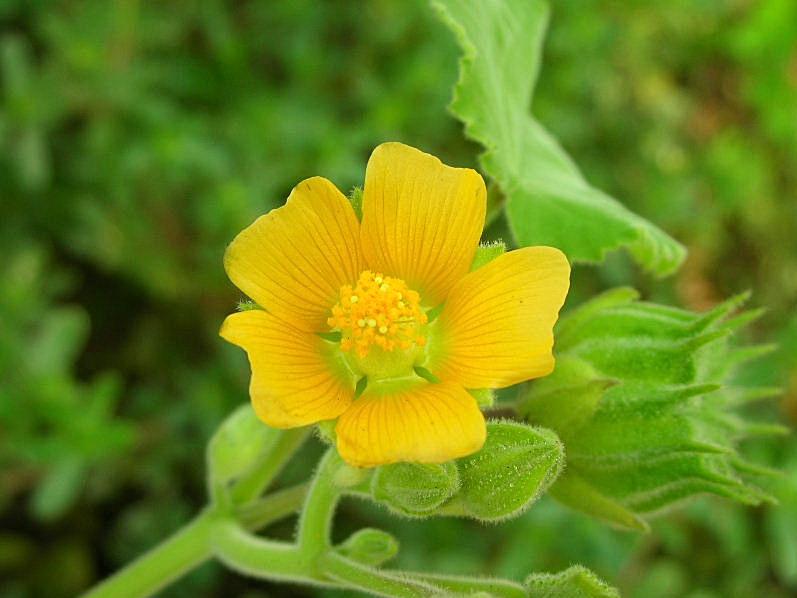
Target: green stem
(157,568)
(315,521)
(367,579)
(280,561)
(190,547)
(257,481)
(258,513)
(311,560)
(469,585)
(258,557)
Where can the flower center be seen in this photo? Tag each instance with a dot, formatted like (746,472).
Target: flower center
(380,319)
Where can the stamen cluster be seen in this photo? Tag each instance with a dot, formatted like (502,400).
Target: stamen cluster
(380,311)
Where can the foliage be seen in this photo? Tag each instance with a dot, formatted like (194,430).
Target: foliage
(42,408)
(548,202)
(138,138)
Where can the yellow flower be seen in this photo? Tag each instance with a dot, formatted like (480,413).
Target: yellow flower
(315,269)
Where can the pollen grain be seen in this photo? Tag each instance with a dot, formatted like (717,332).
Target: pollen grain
(379,311)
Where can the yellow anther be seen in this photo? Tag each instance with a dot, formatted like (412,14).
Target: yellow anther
(379,311)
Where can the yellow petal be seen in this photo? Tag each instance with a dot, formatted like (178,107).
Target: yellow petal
(421,219)
(496,329)
(293,260)
(296,381)
(428,423)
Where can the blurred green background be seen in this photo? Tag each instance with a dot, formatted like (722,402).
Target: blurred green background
(137,138)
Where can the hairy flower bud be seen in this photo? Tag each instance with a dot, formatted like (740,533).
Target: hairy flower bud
(413,489)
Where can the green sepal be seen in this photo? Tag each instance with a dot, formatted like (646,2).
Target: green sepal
(334,336)
(487,252)
(370,546)
(485,397)
(356,200)
(326,431)
(247,305)
(575,582)
(415,489)
(569,325)
(571,490)
(240,443)
(567,399)
(513,469)
(348,477)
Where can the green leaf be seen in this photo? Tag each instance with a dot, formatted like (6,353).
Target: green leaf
(514,468)
(575,582)
(370,546)
(548,201)
(60,337)
(60,489)
(415,489)
(642,401)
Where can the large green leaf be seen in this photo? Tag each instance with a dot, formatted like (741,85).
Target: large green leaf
(548,201)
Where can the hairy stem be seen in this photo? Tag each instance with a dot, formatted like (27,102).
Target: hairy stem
(315,521)
(256,514)
(154,570)
(190,547)
(373,581)
(258,557)
(469,585)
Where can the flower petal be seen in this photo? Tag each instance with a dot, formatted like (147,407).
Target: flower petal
(496,329)
(293,260)
(296,381)
(428,423)
(421,219)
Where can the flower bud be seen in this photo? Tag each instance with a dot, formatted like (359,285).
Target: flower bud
(515,466)
(240,442)
(414,489)
(575,581)
(370,546)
